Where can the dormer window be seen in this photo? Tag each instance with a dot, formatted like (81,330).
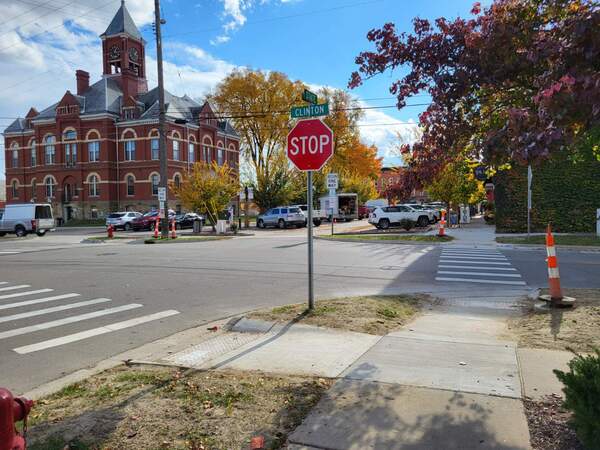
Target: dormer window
(69,109)
(129,113)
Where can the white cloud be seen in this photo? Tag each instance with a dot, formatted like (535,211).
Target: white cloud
(39,55)
(387,133)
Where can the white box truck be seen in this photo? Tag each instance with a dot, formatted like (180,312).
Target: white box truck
(342,207)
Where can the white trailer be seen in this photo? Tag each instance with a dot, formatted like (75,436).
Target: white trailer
(340,206)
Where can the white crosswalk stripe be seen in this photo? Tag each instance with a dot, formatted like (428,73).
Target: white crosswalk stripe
(481,266)
(8,329)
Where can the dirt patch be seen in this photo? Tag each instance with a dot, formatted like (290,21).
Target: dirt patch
(373,314)
(561,329)
(549,425)
(156,408)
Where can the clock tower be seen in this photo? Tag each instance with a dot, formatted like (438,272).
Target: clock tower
(123,54)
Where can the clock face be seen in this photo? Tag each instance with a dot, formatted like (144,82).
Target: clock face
(114,52)
(133,54)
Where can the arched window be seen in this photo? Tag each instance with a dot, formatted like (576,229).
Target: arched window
(130,185)
(33,189)
(15,189)
(175,150)
(154,144)
(94,186)
(50,149)
(220,154)
(155,179)
(15,156)
(177,181)
(206,146)
(50,184)
(191,152)
(129,150)
(70,147)
(33,153)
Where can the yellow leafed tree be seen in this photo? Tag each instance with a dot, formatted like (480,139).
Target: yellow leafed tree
(208,189)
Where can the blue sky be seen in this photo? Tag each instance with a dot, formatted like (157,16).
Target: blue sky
(315,41)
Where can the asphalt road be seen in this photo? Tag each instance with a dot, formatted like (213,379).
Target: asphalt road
(103,299)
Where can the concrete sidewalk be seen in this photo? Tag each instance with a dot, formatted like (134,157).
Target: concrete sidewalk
(447,381)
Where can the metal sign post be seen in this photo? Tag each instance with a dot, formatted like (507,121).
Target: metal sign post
(309,226)
(529,180)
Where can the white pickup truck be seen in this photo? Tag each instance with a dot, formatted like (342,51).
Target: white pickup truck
(23,218)
(387,216)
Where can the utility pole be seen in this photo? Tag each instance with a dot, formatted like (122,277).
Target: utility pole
(162,142)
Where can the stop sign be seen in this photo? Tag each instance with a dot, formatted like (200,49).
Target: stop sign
(310,144)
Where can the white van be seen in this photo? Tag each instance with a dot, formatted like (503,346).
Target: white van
(23,218)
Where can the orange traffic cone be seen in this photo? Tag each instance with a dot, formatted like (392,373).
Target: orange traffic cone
(556,296)
(173,232)
(442,230)
(156,227)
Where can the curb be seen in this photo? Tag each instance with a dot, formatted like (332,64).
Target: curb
(383,241)
(578,248)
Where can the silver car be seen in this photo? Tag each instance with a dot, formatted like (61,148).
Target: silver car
(122,219)
(282,217)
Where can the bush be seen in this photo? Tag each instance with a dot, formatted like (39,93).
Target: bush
(407,224)
(582,397)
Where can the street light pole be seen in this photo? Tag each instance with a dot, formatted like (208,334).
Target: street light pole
(162,143)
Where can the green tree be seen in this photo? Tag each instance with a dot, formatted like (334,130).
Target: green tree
(208,189)
(455,184)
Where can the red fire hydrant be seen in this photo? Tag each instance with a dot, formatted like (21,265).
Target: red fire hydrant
(12,410)
(110,231)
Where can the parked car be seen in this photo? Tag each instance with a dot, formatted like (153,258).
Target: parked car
(282,217)
(23,218)
(317,214)
(384,218)
(363,212)
(147,220)
(186,220)
(436,213)
(122,219)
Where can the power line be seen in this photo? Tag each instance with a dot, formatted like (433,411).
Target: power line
(27,11)
(291,16)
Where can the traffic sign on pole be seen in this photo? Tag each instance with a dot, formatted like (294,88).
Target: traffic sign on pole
(309,97)
(332,181)
(299,112)
(310,144)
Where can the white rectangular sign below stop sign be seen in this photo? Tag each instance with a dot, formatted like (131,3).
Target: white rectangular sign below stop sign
(310,144)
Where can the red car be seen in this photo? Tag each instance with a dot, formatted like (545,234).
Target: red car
(145,222)
(363,212)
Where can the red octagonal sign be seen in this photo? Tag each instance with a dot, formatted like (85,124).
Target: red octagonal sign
(310,144)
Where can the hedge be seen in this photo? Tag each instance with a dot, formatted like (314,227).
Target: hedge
(565,193)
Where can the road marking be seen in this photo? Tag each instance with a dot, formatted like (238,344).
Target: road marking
(469,252)
(21,294)
(474,280)
(454,266)
(492,274)
(9,253)
(483,258)
(93,332)
(12,288)
(39,300)
(40,312)
(67,320)
(462,261)
(3,282)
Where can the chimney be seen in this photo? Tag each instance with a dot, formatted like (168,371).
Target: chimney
(83,81)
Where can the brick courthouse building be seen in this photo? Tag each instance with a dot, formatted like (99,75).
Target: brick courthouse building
(96,150)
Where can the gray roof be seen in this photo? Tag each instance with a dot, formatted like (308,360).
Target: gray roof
(101,97)
(122,23)
(175,107)
(17,126)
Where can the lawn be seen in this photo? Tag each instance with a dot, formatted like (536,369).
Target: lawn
(156,408)
(391,237)
(370,314)
(559,239)
(562,328)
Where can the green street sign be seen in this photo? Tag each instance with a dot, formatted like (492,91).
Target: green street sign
(309,97)
(299,112)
